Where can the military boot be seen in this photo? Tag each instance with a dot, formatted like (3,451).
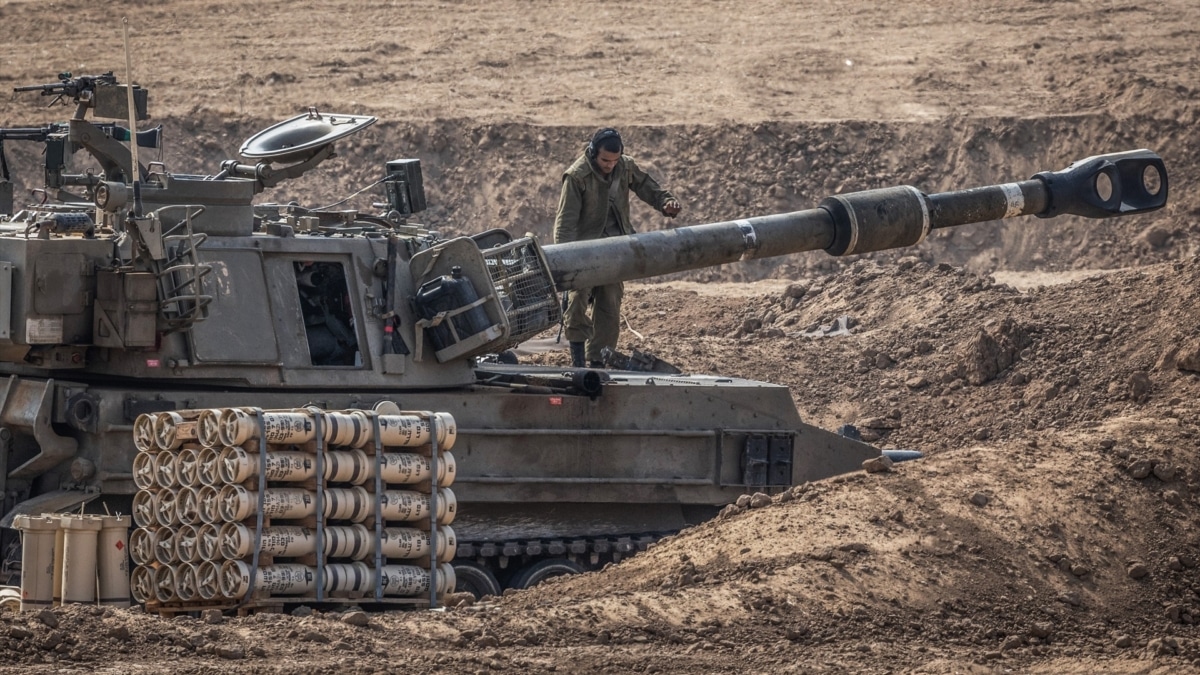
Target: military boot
(577,355)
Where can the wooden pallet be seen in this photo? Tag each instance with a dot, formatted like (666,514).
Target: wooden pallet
(281,605)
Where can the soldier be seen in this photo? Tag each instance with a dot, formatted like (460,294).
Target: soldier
(594,204)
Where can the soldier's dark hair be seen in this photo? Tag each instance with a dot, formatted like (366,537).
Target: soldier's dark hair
(605,139)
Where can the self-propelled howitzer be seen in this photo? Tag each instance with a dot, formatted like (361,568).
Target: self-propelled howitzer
(202,298)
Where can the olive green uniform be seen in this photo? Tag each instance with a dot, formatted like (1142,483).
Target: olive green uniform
(591,207)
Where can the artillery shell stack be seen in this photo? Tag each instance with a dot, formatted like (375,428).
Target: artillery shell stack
(248,508)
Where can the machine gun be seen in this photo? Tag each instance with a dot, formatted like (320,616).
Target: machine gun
(73,87)
(37,134)
(70,86)
(57,152)
(104,97)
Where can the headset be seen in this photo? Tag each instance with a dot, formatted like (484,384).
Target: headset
(599,139)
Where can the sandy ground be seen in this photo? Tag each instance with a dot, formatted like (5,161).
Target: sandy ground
(1051,526)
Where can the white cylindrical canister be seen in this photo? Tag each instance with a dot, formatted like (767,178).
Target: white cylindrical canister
(208,427)
(142,543)
(143,508)
(210,502)
(114,561)
(283,579)
(164,584)
(60,543)
(411,430)
(187,583)
(208,580)
(353,577)
(141,583)
(345,466)
(165,512)
(37,560)
(143,471)
(408,505)
(187,467)
(348,466)
(347,541)
(350,429)
(208,466)
(410,580)
(353,503)
(143,433)
(187,544)
(282,427)
(340,429)
(289,541)
(164,469)
(208,541)
(79,558)
(187,506)
(286,427)
(447,431)
(164,546)
(237,503)
(10,598)
(172,429)
(410,543)
(237,466)
(406,468)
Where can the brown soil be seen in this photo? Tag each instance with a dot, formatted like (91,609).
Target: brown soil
(1048,369)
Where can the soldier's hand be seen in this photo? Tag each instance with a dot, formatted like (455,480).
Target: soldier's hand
(672,208)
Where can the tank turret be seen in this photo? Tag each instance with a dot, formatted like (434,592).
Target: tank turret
(136,289)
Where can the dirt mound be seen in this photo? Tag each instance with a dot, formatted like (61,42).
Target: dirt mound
(1047,526)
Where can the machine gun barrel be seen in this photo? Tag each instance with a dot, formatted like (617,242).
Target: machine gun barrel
(38,87)
(66,88)
(872,220)
(31,133)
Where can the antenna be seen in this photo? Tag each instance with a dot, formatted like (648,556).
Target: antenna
(136,172)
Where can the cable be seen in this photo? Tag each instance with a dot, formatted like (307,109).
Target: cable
(631,330)
(330,206)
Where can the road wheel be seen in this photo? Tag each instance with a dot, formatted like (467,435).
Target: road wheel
(543,570)
(475,579)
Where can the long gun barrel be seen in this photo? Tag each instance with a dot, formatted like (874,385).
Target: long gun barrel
(45,88)
(872,220)
(69,86)
(31,133)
